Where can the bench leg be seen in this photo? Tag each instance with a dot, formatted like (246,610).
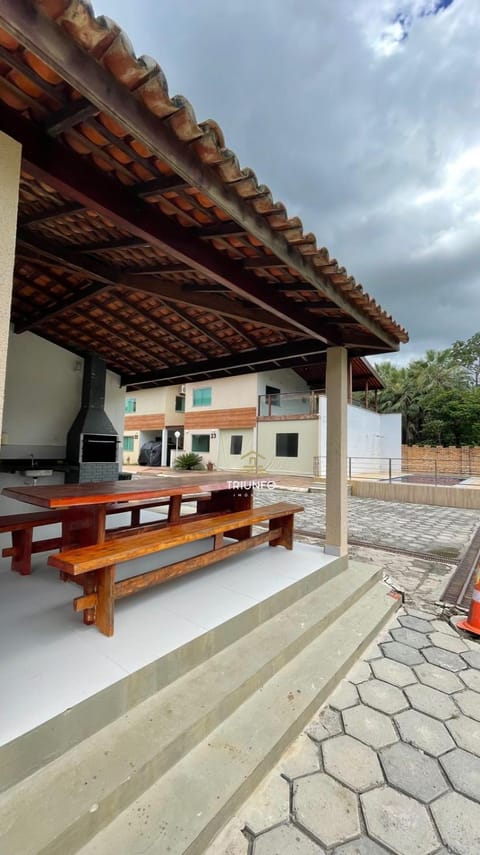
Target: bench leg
(104,609)
(22,555)
(135,518)
(286,527)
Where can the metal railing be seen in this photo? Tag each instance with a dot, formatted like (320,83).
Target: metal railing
(395,469)
(288,404)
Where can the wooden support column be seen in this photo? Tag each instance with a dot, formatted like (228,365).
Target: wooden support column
(366,394)
(10,158)
(336,498)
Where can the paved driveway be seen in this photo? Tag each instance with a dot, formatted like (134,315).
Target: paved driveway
(418,528)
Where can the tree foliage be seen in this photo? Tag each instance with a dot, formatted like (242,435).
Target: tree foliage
(438,395)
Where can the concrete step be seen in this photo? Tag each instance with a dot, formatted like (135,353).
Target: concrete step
(63,805)
(31,751)
(183,811)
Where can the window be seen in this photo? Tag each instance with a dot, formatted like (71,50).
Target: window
(180,403)
(286,445)
(130,405)
(202,397)
(200,442)
(236,444)
(128,443)
(272,396)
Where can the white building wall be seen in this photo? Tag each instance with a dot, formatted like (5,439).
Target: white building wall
(42,397)
(373,438)
(10,158)
(307,430)
(227,393)
(243,460)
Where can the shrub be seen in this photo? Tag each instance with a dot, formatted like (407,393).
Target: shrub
(188,460)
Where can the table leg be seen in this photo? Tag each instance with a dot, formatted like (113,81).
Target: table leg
(174,509)
(232,500)
(83,526)
(105,584)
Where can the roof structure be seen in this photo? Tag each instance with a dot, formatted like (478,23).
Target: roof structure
(140,237)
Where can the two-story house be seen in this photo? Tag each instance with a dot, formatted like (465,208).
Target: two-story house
(270,420)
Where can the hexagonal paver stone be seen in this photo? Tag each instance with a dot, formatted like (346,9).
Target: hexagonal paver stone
(401,653)
(466,733)
(270,806)
(424,732)
(382,696)
(469,703)
(361,846)
(302,758)
(410,637)
(399,822)
(448,642)
(352,763)
(431,701)
(444,659)
(471,679)
(345,696)
(393,672)
(463,769)
(285,838)
(423,615)
(369,726)
(360,673)
(410,770)
(472,658)
(328,723)
(326,809)
(415,623)
(458,821)
(445,627)
(438,678)
(373,652)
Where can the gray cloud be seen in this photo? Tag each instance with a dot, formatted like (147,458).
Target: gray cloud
(362,116)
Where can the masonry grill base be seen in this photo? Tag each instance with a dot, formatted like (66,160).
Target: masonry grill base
(92,472)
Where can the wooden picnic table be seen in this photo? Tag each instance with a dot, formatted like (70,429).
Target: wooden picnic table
(89,554)
(85,505)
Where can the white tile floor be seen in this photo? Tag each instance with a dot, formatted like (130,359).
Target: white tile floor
(50,661)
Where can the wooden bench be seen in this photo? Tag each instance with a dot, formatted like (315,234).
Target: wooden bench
(94,566)
(21,527)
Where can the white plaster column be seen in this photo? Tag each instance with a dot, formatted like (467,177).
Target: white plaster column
(10,159)
(336,497)
(164,446)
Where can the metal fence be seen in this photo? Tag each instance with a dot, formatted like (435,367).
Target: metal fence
(395,469)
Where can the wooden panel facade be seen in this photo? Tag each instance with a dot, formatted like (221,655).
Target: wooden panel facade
(239,417)
(154,421)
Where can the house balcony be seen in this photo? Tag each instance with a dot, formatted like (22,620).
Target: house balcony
(288,405)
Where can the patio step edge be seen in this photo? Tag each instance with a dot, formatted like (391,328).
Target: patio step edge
(183,812)
(116,765)
(33,750)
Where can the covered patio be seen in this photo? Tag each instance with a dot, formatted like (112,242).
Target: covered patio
(129,232)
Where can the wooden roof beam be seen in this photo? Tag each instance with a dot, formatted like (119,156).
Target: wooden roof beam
(42,252)
(252,358)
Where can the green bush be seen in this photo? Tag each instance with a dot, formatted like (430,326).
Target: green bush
(188,460)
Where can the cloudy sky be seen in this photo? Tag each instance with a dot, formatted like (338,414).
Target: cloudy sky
(362,116)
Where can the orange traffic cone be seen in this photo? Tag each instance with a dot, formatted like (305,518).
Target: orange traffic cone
(472,623)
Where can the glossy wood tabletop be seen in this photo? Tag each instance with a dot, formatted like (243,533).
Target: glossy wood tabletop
(104,492)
